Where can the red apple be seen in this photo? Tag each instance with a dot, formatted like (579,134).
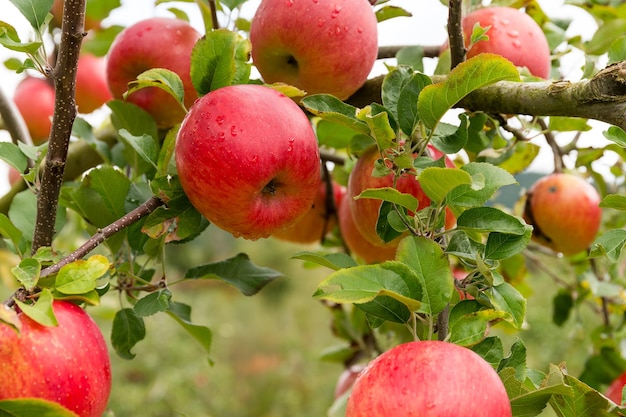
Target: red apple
(614,391)
(564,211)
(248,160)
(158,42)
(92,90)
(14,176)
(357,244)
(67,364)
(34,98)
(513,35)
(365,210)
(319,46)
(317,222)
(429,378)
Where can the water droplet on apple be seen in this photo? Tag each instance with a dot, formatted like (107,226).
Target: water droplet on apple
(337,30)
(516,43)
(219,120)
(233,131)
(513,33)
(359,30)
(316,1)
(289,3)
(253,158)
(320,22)
(335,12)
(290,146)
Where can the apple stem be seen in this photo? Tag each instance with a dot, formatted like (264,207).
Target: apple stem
(556,149)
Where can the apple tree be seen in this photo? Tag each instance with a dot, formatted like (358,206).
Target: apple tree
(273,126)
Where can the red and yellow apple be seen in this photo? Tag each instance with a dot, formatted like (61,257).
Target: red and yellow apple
(357,244)
(68,364)
(317,222)
(365,210)
(512,34)
(157,42)
(34,98)
(92,90)
(428,378)
(248,160)
(564,211)
(319,46)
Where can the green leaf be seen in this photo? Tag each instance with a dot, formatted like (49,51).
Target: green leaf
(12,155)
(562,305)
(181,313)
(617,50)
(220,59)
(617,135)
(381,129)
(392,195)
(477,72)
(491,350)
(609,244)
(469,322)
(33,407)
(41,311)
(486,180)
(450,138)
(490,219)
(506,298)
(9,231)
(568,124)
(428,262)
(393,84)
(438,182)
(412,56)
(516,360)
(23,211)
(333,135)
(504,245)
(583,401)
(369,286)
(614,201)
(333,261)
(161,78)
(238,271)
(603,38)
(81,276)
(143,145)
(389,12)
(407,114)
(332,109)
(463,247)
(27,272)
(128,329)
(135,120)
(35,11)
(155,302)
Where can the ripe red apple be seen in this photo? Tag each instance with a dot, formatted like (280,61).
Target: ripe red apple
(319,46)
(92,90)
(365,210)
(68,364)
(158,42)
(248,160)
(512,34)
(317,222)
(614,391)
(357,244)
(34,98)
(564,211)
(429,378)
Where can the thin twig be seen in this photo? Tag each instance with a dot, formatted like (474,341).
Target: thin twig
(557,152)
(455,32)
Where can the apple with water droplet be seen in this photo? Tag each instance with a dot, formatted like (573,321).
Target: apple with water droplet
(248,160)
(319,46)
(428,378)
(157,42)
(68,364)
(512,34)
(564,211)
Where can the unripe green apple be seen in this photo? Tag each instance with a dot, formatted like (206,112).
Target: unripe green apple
(365,210)
(564,211)
(157,42)
(319,46)
(428,379)
(92,90)
(248,160)
(34,98)
(68,364)
(513,35)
